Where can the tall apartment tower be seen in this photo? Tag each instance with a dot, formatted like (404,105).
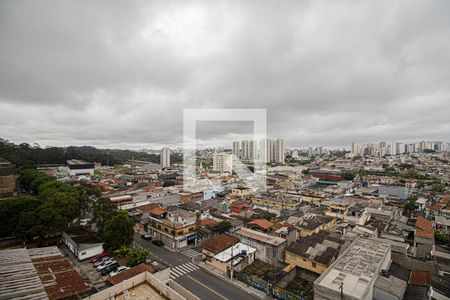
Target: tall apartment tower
(236,149)
(222,162)
(278,152)
(165,158)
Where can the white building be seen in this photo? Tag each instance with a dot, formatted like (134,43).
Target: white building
(78,167)
(82,243)
(354,273)
(222,162)
(165,158)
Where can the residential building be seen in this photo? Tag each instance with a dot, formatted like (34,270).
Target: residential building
(165,158)
(222,162)
(8,179)
(234,258)
(270,248)
(316,252)
(82,243)
(353,274)
(176,228)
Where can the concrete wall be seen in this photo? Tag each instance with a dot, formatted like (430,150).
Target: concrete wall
(167,291)
(182,291)
(90,252)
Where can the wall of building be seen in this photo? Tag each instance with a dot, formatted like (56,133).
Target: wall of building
(304,263)
(90,252)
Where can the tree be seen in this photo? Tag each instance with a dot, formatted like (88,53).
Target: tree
(43,222)
(411,205)
(268,216)
(349,175)
(11,210)
(137,256)
(168,183)
(223,226)
(102,210)
(118,230)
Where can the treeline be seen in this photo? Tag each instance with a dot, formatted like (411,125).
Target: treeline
(54,206)
(25,154)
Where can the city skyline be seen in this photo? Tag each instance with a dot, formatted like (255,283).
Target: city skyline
(327,74)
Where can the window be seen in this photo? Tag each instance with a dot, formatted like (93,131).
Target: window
(83,253)
(313,264)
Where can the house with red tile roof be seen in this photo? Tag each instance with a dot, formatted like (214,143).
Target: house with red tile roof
(260,224)
(424,237)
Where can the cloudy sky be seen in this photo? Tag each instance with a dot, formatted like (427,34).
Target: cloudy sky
(119,74)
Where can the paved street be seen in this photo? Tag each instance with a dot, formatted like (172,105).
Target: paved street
(193,278)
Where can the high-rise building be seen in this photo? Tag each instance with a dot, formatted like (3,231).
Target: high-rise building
(165,158)
(278,152)
(222,162)
(245,149)
(236,149)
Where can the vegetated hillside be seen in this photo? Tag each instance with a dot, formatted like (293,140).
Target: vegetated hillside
(26,154)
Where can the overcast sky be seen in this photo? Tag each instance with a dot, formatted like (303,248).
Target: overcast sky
(119,74)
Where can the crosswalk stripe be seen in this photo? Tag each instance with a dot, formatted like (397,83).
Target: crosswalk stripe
(182,267)
(178,272)
(190,268)
(194,266)
(172,276)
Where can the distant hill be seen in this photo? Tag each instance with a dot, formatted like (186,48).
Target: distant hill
(26,154)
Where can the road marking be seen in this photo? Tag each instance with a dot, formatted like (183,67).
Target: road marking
(191,268)
(207,287)
(177,272)
(183,268)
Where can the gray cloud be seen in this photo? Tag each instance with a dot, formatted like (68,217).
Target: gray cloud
(76,72)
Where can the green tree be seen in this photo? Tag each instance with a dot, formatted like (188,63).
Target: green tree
(411,204)
(118,230)
(349,175)
(137,256)
(11,210)
(223,226)
(103,209)
(168,183)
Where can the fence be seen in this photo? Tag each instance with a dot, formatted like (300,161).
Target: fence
(269,289)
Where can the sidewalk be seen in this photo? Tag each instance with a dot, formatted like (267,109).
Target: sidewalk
(246,288)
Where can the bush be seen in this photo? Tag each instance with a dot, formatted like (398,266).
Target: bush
(137,256)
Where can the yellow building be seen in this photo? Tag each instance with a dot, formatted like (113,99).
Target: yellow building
(314,253)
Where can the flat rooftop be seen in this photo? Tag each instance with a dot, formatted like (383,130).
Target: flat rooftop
(262,237)
(357,268)
(143,291)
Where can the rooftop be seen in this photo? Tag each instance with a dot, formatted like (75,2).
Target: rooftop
(219,243)
(262,237)
(47,273)
(234,251)
(357,268)
(263,223)
(322,247)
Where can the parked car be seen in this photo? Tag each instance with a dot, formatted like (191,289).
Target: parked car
(118,270)
(147,237)
(158,243)
(102,260)
(109,268)
(106,264)
(98,257)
